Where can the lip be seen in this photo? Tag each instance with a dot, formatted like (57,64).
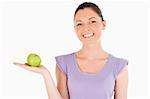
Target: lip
(88,33)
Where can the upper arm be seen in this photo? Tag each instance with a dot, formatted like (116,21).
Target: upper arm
(61,82)
(121,84)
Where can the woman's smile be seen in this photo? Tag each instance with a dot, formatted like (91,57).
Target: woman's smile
(88,35)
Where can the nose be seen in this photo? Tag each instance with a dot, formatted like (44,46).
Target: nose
(86,27)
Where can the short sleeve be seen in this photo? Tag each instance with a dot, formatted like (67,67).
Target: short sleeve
(61,64)
(120,64)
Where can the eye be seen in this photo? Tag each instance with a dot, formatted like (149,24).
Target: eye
(93,21)
(79,24)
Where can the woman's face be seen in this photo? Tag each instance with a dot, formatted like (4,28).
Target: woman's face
(88,26)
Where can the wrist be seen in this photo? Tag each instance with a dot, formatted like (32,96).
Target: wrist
(45,73)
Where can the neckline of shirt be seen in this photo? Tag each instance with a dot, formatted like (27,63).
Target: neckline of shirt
(88,73)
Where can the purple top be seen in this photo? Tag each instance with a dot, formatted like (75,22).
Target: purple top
(83,85)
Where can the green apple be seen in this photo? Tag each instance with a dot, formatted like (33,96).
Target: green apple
(33,60)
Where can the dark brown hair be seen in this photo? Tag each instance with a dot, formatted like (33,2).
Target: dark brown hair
(91,5)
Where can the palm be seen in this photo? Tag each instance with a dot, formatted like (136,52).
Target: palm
(41,69)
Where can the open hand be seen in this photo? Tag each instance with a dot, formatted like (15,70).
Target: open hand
(40,69)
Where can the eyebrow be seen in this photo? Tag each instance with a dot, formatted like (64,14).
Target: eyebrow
(92,18)
(89,19)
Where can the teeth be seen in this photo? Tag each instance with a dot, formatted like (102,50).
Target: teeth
(88,35)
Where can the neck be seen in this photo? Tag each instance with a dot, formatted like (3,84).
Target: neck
(92,51)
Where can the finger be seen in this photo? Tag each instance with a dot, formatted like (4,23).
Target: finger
(26,64)
(15,63)
(21,65)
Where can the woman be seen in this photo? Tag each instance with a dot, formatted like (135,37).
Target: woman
(91,72)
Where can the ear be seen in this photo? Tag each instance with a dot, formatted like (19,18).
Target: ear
(103,24)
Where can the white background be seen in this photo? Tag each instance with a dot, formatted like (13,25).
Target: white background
(46,28)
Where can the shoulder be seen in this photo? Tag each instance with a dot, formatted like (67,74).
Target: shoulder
(119,64)
(67,55)
(117,59)
(62,60)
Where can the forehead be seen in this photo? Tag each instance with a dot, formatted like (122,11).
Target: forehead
(85,13)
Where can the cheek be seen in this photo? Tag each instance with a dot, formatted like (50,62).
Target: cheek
(97,29)
(78,32)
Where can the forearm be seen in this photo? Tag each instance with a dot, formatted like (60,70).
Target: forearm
(52,91)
